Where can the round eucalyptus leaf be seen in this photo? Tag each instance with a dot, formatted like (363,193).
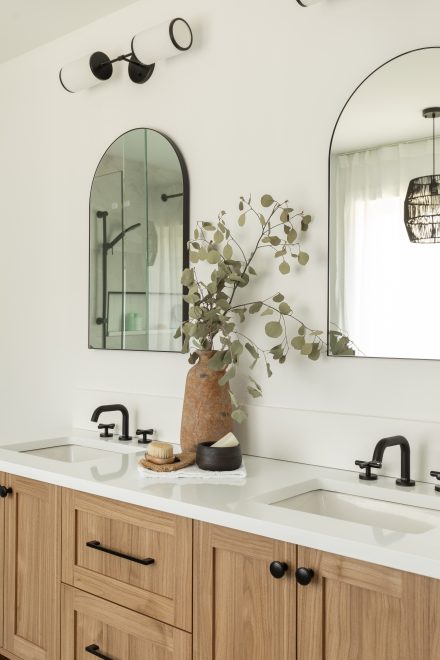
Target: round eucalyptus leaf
(284,308)
(187,277)
(267,200)
(303,258)
(213,257)
(228,251)
(255,307)
(292,235)
(284,268)
(298,343)
(273,329)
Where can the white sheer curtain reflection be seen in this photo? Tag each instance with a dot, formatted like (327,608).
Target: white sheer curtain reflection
(165,295)
(383,288)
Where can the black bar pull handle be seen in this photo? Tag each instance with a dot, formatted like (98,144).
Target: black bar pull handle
(93,649)
(96,545)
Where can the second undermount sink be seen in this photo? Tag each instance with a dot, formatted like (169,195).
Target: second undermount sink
(362,510)
(74,450)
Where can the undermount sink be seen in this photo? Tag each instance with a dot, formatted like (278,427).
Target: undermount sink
(73,450)
(363,510)
(68,453)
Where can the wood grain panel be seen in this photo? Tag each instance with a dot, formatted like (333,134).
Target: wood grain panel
(121,634)
(2,555)
(241,612)
(354,610)
(162,590)
(32,569)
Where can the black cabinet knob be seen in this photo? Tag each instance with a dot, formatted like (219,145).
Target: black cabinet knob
(304,575)
(4,491)
(278,569)
(106,428)
(144,432)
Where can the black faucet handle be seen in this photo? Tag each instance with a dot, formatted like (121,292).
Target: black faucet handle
(436,474)
(144,432)
(106,428)
(367,465)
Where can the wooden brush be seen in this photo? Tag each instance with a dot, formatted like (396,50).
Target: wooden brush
(160,453)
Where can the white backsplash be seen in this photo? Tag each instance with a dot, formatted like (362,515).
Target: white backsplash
(305,436)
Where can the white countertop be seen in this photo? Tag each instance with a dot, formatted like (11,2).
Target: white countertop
(244,505)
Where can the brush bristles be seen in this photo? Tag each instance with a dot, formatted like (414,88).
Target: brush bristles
(160,450)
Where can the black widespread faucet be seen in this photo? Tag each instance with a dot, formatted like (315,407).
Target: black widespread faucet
(379,450)
(125,417)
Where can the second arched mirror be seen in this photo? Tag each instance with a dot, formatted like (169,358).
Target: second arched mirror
(385,212)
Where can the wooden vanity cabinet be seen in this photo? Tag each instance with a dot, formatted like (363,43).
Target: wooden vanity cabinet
(241,612)
(236,608)
(32,571)
(354,610)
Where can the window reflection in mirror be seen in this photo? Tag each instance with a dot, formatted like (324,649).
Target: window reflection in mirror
(138,232)
(383,287)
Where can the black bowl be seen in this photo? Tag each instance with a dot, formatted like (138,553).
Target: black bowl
(218,459)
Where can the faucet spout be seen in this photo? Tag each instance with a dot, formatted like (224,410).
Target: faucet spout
(405,457)
(118,407)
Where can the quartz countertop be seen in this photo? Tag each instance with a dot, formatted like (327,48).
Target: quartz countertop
(245,504)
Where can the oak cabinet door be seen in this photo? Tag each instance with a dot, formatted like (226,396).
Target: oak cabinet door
(97,628)
(32,569)
(353,610)
(2,554)
(241,612)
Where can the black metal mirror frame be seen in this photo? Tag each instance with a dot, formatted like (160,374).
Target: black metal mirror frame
(392,59)
(185,219)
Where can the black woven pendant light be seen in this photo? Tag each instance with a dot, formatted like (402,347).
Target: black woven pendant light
(422,201)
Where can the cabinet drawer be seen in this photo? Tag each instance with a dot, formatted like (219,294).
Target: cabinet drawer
(161,589)
(115,633)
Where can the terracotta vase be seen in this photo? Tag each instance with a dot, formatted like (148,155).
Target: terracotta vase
(207,405)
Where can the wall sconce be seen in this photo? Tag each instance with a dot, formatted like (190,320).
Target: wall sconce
(147,48)
(307,3)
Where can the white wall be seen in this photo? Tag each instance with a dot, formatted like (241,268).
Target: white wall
(252,108)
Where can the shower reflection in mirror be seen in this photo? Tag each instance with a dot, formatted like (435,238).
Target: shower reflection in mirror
(385,212)
(138,229)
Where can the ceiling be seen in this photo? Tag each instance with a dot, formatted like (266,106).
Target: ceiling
(387,108)
(27,24)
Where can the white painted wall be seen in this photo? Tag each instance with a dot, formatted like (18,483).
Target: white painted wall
(252,108)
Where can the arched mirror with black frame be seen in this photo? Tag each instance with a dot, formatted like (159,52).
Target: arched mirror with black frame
(139,229)
(384,213)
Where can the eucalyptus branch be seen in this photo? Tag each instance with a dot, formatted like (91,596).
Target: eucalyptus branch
(214,315)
